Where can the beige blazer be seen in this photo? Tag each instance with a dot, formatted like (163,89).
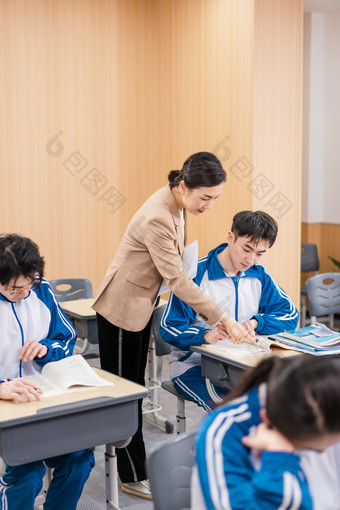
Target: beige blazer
(151,249)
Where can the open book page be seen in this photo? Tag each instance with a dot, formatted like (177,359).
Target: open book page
(190,260)
(71,373)
(238,350)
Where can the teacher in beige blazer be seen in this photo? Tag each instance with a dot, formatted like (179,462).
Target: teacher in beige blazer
(150,251)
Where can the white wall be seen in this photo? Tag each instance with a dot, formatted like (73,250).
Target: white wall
(321,140)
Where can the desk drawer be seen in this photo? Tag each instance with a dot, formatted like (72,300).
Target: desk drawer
(222,374)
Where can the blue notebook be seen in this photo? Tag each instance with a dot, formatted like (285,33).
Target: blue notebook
(316,337)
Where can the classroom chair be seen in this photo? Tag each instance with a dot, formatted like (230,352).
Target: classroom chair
(169,469)
(157,349)
(309,263)
(323,291)
(69,289)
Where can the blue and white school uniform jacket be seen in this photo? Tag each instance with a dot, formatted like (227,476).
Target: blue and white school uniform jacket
(230,476)
(251,294)
(37,317)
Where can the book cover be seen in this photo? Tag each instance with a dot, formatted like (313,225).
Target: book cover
(316,337)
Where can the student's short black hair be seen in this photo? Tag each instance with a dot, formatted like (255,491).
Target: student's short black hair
(19,256)
(257,225)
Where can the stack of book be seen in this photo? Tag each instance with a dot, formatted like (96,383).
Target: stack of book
(316,339)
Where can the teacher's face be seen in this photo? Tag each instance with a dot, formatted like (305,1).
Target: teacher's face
(199,200)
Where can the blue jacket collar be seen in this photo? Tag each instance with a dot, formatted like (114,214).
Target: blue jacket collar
(216,271)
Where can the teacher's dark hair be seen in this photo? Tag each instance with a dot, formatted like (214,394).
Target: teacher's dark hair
(19,256)
(200,170)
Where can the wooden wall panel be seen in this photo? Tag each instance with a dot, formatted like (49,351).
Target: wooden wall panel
(277,131)
(100,99)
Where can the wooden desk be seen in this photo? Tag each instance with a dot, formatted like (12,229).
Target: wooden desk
(72,421)
(83,317)
(224,370)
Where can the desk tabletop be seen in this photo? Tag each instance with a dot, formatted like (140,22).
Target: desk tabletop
(122,390)
(243,361)
(82,308)
(79,308)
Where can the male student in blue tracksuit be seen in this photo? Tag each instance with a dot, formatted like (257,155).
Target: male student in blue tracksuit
(34,331)
(232,276)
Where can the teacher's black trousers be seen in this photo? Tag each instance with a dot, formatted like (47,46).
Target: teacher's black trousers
(124,353)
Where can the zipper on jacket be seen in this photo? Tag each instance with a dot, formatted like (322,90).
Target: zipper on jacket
(22,337)
(236,280)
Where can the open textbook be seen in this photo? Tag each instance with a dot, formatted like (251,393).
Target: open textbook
(239,350)
(316,339)
(69,374)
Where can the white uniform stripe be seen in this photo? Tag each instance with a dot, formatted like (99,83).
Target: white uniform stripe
(193,395)
(292,495)
(215,466)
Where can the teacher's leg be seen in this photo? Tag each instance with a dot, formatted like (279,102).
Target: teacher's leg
(124,353)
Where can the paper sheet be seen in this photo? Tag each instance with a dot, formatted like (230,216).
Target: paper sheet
(190,260)
(237,350)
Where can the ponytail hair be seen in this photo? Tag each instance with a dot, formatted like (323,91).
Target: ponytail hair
(303,394)
(200,170)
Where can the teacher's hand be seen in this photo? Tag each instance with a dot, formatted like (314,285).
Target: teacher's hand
(236,332)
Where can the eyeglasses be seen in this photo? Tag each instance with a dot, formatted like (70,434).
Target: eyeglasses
(14,291)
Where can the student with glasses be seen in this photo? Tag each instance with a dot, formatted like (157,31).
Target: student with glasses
(34,331)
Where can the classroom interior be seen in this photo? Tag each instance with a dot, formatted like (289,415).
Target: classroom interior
(99,100)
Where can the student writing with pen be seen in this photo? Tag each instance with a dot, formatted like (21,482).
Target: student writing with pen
(34,331)
(232,276)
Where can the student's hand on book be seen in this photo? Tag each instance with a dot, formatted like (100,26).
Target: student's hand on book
(250,326)
(214,335)
(267,438)
(20,390)
(32,349)
(237,332)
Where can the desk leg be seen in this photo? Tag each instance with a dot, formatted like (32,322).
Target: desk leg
(111,474)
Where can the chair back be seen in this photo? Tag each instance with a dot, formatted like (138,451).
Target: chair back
(323,291)
(169,469)
(309,258)
(68,289)
(162,348)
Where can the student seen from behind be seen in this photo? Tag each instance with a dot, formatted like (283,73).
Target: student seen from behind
(250,451)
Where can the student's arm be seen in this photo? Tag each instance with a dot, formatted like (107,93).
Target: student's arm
(61,336)
(228,479)
(276,310)
(175,325)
